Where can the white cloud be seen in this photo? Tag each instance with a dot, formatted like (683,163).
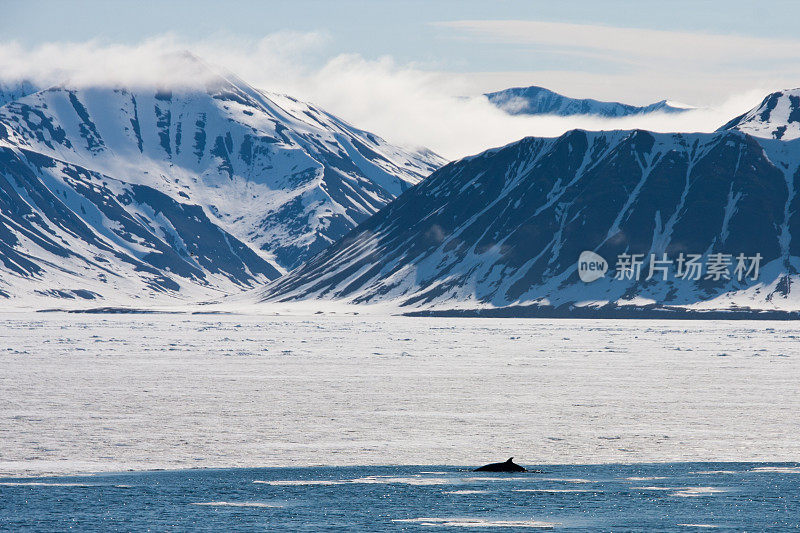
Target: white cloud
(634,65)
(155,61)
(414,107)
(404,104)
(632,45)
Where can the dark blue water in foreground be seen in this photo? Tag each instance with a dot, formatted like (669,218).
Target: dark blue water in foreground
(663,497)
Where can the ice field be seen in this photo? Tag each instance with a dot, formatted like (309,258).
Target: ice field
(103,393)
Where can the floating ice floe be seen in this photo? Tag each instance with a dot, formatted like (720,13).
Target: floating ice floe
(238,504)
(478,522)
(698,491)
(778,469)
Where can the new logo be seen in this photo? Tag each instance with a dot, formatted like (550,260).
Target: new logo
(591,266)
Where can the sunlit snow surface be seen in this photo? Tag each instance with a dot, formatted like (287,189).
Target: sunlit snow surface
(92,393)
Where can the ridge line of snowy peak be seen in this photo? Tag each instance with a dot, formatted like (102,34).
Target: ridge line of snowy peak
(140,166)
(536,100)
(505,228)
(777,117)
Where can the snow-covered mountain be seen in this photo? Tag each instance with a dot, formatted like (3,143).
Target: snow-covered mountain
(214,186)
(777,117)
(14,90)
(540,101)
(507,227)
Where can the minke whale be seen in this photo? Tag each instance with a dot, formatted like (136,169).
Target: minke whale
(508,466)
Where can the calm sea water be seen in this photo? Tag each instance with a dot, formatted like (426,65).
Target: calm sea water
(645,497)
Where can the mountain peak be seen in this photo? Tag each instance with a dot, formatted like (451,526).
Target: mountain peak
(205,186)
(776,117)
(11,90)
(535,100)
(505,230)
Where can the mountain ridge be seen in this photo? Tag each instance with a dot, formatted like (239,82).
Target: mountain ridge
(14,90)
(777,117)
(266,172)
(535,100)
(505,228)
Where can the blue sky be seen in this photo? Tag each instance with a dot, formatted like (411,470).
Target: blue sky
(409,31)
(402,68)
(398,27)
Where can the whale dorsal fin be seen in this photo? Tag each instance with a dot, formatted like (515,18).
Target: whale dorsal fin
(510,460)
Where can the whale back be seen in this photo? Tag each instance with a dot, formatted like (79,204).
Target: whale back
(507,466)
